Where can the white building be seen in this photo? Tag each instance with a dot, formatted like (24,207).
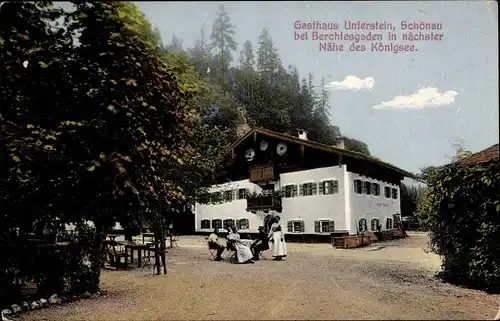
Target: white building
(322,189)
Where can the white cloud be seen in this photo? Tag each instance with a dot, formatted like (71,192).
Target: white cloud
(428,97)
(352,83)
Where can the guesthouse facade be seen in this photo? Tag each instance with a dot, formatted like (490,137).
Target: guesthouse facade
(316,189)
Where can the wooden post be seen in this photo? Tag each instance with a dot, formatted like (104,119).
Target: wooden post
(302,149)
(254,136)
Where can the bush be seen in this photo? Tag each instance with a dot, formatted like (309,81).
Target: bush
(54,269)
(462,211)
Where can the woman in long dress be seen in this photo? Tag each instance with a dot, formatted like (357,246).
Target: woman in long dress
(243,252)
(277,238)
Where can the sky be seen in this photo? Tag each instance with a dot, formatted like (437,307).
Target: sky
(410,107)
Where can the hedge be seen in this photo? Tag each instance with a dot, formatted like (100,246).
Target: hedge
(462,211)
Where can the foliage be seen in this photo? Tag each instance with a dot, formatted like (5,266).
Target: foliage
(410,196)
(462,210)
(55,269)
(263,91)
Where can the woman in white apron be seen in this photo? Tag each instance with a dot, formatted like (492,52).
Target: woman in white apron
(277,238)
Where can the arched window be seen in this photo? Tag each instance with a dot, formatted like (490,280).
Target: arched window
(205,224)
(362,225)
(389,224)
(374,224)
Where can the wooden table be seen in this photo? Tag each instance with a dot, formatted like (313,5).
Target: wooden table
(112,237)
(133,246)
(150,235)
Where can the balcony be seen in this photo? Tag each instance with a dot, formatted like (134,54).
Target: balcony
(264,202)
(262,173)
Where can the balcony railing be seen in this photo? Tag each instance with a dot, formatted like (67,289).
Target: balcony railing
(264,202)
(262,173)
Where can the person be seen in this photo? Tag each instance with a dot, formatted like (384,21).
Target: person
(213,241)
(277,238)
(243,252)
(260,244)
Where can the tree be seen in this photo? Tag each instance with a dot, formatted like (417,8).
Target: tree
(175,45)
(247,59)
(222,40)
(460,151)
(356,146)
(268,60)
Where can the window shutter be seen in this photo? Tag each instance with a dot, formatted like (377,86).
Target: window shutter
(335,187)
(331,226)
(214,225)
(302,227)
(316,227)
(289,226)
(283,191)
(321,188)
(301,189)
(314,188)
(238,224)
(294,190)
(237,194)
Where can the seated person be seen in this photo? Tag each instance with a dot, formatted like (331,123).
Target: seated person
(214,243)
(260,244)
(243,252)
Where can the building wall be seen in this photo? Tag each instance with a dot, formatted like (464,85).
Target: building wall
(360,206)
(315,207)
(304,208)
(228,210)
(345,208)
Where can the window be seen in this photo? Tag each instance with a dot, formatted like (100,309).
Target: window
(308,189)
(216,197)
(358,186)
(387,192)
(229,222)
(362,225)
(374,224)
(367,188)
(324,226)
(388,224)
(295,226)
(242,193)
(242,224)
(289,190)
(228,196)
(375,189)
(394,193)
(216,223)
(205,224)
(329,187)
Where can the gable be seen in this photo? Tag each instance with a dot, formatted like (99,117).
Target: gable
(300,152)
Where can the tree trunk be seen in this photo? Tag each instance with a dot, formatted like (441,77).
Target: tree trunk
(96,257)
(163,249)
(157,250)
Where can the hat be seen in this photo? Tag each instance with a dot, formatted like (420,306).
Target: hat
(261,227)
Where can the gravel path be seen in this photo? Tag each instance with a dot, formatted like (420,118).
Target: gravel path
(315,282)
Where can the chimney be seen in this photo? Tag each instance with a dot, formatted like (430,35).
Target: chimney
(340,143)
(302,134)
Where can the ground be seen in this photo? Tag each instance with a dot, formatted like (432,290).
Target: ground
(315,281)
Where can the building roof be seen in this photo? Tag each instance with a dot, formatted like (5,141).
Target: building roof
(319,146)
(487,155)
